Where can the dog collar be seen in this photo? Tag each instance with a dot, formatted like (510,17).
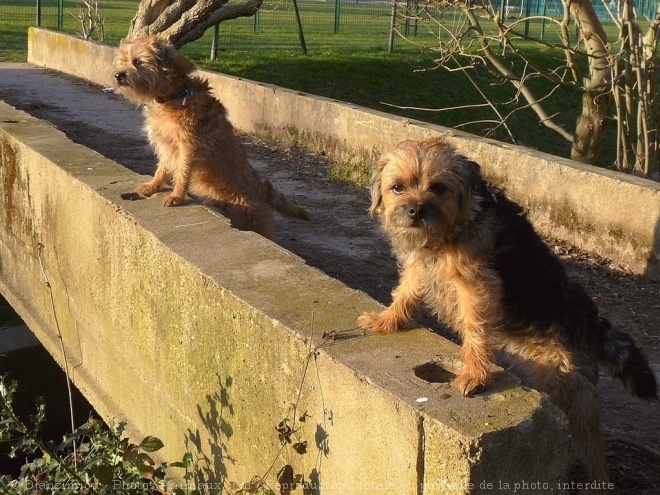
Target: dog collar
(492,194)
(184,93)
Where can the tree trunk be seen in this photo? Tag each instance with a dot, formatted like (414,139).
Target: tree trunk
(649,51)
(591,125)
(183,21)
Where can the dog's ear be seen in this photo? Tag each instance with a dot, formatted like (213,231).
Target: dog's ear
(477,183)
(468,175)
(168,57)
(376,195)
(163,52)
(473,170)
(180,63)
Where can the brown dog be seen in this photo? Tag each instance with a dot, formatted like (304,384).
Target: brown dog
(474,259)
(195,143)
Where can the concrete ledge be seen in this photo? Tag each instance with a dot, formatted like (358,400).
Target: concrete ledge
(612,214)
(71,55)
(207,337)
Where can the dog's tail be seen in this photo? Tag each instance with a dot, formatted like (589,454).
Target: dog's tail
(622,359)
(278,201)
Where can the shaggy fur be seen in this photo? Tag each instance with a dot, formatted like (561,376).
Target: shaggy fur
(195,143)
(473,258)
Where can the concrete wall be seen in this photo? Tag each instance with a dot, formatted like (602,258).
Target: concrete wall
(208,337)
(612,214)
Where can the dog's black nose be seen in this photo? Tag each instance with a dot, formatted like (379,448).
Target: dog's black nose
(120,77)
(416,212)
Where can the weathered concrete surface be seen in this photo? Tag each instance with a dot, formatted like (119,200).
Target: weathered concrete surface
(208,338)
(613,214)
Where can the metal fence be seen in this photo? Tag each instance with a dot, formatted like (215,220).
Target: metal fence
(44,13)
(340,25)
(359,25)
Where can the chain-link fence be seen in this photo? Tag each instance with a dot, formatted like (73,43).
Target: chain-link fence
(45,13)
(349,26)
(373,25)
(340,25)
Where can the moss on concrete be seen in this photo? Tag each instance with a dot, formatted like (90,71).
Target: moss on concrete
(9,178)
(349,164)
(616,233)
(564,215)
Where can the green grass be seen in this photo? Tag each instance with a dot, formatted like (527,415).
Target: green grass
(385,82)
(352,65)
(13,43)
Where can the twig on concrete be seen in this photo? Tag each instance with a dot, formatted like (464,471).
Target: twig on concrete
(64,359)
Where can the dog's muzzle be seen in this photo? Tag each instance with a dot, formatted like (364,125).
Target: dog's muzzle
(416,212)
(120,77)
(416,216)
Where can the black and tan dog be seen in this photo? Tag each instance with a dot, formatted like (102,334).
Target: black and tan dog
(473,258)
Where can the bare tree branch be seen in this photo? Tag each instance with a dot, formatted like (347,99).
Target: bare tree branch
(524,90)
(183,21)
(623,71)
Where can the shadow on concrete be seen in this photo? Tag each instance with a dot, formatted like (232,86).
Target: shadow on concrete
(210,471)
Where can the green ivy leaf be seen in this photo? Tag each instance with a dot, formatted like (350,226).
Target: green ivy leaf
(151,444)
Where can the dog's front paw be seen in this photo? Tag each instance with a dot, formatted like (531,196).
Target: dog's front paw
(469,384)
(378,322)
(172,200)
(147,189)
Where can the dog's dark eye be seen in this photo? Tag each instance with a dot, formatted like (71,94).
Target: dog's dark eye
(438,188)
(397,188)
(137,62)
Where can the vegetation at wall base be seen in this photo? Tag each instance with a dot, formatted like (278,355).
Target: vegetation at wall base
(93,460)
